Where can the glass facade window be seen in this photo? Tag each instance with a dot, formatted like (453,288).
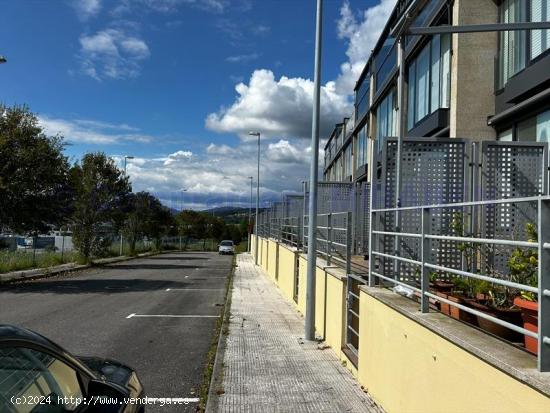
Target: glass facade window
(518,48)
(423,16)
(429,80)
(362,148)
(533,129)
(512,44)
(540,39)
(362,98)
(348,158)
(385,119)
(506,135)
(385,61)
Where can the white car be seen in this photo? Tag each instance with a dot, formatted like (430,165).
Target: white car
(226,247)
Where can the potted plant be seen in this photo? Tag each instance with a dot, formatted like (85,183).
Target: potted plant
(523,265)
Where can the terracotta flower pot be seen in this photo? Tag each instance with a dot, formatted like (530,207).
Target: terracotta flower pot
(530,316)
(442,286)
(454,311)
(510,315)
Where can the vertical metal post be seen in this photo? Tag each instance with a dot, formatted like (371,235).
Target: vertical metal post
(313,178)
(544,286)
(257,202)
(304,213)
(349,241)
(34,250)
(180,242)
(250,218)
(62,246)
(400,137)
(121,244)
(425,274)
(328,242)
(371,224)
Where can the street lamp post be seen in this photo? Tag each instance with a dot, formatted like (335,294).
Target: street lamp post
(257,197)
(126,157)
(250,216)
(313,178)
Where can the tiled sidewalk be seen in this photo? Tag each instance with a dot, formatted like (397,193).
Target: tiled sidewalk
(268,367)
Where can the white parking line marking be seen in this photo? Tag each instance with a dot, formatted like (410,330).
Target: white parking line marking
(194,289)
(133,315)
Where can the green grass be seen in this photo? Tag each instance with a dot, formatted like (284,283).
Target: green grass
(241,247)
(23,260)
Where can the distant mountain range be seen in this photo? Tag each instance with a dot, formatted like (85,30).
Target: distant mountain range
(231,215)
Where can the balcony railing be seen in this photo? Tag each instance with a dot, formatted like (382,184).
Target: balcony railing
(424,263)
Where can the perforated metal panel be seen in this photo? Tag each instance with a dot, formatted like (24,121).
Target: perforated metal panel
(293,205)
(361,218)
(333,197)
(433,171)
(510,170)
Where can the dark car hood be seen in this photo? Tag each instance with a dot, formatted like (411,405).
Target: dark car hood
(110,370)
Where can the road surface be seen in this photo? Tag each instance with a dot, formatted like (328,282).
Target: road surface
(132,311)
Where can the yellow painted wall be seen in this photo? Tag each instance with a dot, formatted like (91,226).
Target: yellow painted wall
(320,300)
(253,246)
(287,268)
(302,286)
(272,265)
(335,321)
(265,254)
(407,368)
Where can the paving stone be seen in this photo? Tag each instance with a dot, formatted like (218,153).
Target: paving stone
(268,367)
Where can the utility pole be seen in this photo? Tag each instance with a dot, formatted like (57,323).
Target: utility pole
(257,197)
(313,179)
(250,217)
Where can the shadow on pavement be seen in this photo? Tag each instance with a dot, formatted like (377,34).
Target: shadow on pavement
(138,266)
(180,257)
(92,286)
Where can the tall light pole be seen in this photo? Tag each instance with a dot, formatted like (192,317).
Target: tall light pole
(313,178)
(250,216)
(257,197)
(126,157)
(182,190)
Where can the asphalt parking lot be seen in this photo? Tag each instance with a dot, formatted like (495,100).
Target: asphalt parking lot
(157,314)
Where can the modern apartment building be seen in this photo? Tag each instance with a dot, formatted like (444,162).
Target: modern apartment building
(480,86)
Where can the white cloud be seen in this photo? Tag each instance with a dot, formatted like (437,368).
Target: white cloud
(219,176)
(91,131)
(242,58)
(112,53)
(170,6)
(282,107)
(87,8)
(177,156)
(362,37)
(278,107)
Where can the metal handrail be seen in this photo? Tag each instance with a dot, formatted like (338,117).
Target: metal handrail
(328,242)
(542,244)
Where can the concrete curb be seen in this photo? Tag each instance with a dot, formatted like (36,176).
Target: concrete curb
(217,372)
(36,273)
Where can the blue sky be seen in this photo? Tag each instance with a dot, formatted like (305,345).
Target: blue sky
(178,83)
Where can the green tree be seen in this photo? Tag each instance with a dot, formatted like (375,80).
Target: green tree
(34,173)
(147,217)
(101,190)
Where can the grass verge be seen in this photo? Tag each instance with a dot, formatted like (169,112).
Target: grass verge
(211,356)
(23,260)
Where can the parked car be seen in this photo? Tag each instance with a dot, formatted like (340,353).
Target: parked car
(226,247)
(37,375)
